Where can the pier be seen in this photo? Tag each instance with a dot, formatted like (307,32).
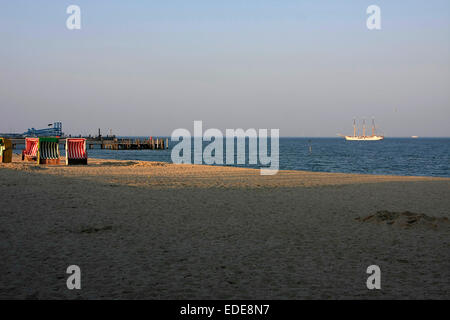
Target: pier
(113,144)
(135,144)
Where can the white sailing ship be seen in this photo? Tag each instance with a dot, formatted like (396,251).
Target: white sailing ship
(363,137)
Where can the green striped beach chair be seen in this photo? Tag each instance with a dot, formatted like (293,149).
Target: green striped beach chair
(48,152)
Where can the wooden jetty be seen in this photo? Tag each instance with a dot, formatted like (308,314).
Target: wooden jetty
(136,144)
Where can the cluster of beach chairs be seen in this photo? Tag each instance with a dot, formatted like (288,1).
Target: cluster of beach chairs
(46,151)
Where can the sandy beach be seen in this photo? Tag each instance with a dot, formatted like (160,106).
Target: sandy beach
(151,230)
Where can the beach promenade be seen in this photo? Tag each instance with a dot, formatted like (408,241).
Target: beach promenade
(152,230)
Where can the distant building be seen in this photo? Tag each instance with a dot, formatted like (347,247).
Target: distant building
(54,131)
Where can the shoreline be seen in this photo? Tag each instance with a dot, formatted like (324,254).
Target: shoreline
(164,174)
(156,163)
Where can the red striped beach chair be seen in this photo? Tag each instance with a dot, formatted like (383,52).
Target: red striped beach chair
(48,151)
(5,150)
(31,149)
(76,151)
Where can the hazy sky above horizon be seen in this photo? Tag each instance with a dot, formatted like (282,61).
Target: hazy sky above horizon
(149,67)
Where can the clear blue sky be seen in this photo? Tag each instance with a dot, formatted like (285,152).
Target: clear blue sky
(149,67)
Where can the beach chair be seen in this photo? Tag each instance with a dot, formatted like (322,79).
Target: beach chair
(2,147)
(31,149)
(76,151)
(5,150)
(48,151)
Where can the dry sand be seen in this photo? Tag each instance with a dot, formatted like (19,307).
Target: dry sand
(146,230)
